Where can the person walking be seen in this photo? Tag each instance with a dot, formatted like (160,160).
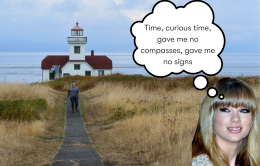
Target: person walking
(73,92)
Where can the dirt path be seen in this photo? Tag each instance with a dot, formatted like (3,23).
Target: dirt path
(76,148)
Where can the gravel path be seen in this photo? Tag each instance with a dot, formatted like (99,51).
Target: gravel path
(76,148)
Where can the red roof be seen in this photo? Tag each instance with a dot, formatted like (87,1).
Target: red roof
(77,27)
(99,62)
(50,60)
(96,62)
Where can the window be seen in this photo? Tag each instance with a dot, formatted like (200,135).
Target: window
(76,33)
(76,66)
(101,72)
(52,75)
(66,74)
(87,73)
(77,49)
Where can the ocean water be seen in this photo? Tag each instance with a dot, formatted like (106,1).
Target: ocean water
(26,66)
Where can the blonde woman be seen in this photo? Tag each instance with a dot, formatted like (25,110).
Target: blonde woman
(228,132)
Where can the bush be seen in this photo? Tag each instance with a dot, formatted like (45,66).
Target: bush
(23,110)
(119,112)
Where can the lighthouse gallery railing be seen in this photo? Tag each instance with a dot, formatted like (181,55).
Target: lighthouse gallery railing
(80,39)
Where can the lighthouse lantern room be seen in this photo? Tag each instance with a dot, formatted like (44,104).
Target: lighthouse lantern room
(77,43)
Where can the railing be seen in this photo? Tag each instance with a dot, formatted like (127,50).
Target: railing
(77,39)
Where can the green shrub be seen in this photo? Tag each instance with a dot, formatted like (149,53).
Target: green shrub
(118,113)
(22,110)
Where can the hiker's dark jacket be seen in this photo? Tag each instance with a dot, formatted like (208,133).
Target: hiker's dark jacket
(73,92)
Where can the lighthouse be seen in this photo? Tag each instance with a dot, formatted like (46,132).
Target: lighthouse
(76,63)
(77,43)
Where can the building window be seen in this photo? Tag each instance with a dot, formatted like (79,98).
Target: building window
(87,73)
(66,74)
(76,66)
(52,75)
(101,72)
(77,49)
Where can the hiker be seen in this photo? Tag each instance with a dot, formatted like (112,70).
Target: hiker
(73,92)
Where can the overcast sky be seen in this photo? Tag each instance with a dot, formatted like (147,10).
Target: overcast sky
(44,25)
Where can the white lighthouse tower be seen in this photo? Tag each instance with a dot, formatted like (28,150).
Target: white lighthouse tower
(77,43)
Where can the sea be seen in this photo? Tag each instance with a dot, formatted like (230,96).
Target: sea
(25,67)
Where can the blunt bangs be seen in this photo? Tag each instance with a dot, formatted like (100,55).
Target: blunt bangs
(236,94)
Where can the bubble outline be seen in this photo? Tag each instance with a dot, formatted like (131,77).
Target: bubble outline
(213,18)
(221,98)
(215,94)
(202,76)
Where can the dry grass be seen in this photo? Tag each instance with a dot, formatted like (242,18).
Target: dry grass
(157,122)
(16,90)
(159,133)
(20,142)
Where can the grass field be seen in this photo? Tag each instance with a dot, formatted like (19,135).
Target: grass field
(151,122)
(22,133)
(132,119)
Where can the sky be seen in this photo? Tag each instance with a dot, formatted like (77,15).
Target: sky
(44,25)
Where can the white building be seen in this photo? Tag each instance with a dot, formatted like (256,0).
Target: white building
(76,63)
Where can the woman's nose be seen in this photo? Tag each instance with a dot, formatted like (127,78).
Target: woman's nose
(235,117)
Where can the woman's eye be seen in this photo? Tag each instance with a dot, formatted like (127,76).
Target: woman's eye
(224,109)
(245,110)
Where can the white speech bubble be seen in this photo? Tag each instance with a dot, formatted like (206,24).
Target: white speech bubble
(175,40)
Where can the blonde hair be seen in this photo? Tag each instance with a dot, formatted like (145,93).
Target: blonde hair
(236,93)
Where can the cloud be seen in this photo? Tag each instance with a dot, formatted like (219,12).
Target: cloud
(94,9)
(39,3)
(118,2)
(29,21)
(136,9)
(134,14)
(51,2)
(235,27)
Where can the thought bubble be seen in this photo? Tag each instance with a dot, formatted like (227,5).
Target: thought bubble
(172,40)
(212,92)
(221,97)
(200,82)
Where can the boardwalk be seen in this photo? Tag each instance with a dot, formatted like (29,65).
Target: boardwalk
(76,148)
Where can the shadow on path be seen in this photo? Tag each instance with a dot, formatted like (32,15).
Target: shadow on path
(76,148)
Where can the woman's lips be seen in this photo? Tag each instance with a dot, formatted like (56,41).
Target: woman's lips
(235,129)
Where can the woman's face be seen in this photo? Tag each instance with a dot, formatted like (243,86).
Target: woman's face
(232,124)
(73,84)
